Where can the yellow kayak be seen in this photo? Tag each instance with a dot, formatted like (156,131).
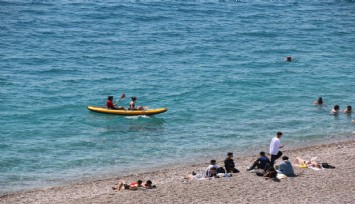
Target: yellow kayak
(126,112)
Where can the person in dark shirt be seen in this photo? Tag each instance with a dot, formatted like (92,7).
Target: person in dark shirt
(263,162)
(229,164)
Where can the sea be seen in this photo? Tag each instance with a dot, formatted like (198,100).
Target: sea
(217,65)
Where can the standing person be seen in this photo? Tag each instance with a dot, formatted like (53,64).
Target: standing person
(229,163)
(275,146)
(132,104)
(110,105)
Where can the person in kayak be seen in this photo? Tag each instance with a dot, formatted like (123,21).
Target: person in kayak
(132,104)
(110,105)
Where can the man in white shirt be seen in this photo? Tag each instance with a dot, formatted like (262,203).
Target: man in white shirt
(275,146)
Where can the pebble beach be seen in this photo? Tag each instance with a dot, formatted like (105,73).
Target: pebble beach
(309,186)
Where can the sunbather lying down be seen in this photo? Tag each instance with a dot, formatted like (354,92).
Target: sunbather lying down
(133,185)
(312,164)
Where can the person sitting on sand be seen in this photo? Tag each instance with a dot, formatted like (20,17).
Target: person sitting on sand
(348,110)
(311,164)
(319,101)
(263,162)
(335,110)
(229,164)
(122,185)
(286,167)
(212,165)
(211,175)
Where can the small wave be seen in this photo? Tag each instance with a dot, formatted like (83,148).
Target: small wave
(137,117)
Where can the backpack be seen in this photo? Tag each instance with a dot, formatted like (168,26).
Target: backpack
(221,170)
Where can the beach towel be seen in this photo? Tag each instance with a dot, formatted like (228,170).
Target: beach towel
(314,168)
(281,176)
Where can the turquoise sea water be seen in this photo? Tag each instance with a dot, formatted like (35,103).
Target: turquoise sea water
(217,65)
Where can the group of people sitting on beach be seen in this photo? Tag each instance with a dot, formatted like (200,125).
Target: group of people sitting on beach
(262,166)
(213,171)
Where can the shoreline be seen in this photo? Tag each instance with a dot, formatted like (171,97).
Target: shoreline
(217,156)
(170,186)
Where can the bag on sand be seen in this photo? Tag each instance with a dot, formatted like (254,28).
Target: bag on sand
(327,166)
(221,170)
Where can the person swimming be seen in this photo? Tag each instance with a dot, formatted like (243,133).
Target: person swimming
(288,59)
(335,110)
(319,101)
(348,110)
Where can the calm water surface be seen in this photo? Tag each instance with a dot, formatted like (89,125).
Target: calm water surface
(217,65)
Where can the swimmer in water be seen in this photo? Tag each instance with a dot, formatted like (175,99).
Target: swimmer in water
(288,59)
(335,110)
(348,110)
(319,101)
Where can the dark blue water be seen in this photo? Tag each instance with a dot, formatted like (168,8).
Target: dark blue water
(217,65)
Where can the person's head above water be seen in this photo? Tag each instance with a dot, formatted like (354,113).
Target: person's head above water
(320,100)
(288,58)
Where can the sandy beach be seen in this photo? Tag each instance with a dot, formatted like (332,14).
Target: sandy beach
(310,186)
